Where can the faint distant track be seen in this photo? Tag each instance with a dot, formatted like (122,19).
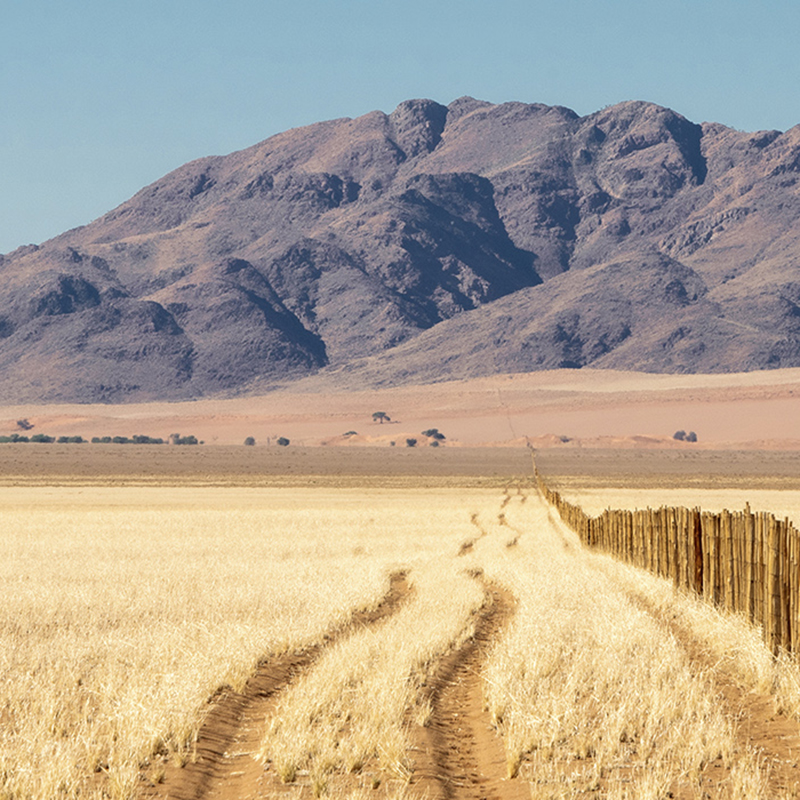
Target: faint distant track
(225,767)
(468,545)
(459,755)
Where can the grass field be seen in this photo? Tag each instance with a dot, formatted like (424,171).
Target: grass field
(420,640)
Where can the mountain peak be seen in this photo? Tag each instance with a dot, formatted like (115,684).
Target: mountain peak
(434,241)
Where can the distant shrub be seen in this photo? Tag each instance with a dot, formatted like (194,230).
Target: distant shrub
(15,438)
(411,442)
(24,424)
(249,441)
(435,443)
(691,436)
(43,438)
(283,441)
(350,433)
(136,439)
(176,438)
(433,433)
(679,435)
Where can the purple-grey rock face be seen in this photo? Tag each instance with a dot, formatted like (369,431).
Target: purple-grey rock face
(434,242)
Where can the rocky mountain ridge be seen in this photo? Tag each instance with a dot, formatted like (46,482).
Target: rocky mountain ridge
(433,242)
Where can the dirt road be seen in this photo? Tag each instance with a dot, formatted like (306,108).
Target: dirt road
(459,753)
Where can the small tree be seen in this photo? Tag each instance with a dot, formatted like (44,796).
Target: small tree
(679,435)
(691,436)
(283,441)
(24,425)
(249,441)
(433,433)
(411,442)
(381,416)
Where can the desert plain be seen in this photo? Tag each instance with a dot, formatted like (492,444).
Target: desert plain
(590,407)
(343,618)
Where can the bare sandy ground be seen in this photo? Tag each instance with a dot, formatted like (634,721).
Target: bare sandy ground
(590,408)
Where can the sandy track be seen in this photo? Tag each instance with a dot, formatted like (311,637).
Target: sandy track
(761,726)
(459,755)
(225,767)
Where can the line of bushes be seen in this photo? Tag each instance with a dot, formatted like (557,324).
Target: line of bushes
(43,438)
(126,440)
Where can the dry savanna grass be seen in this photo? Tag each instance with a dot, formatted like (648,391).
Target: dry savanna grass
(780,502)
(126,609)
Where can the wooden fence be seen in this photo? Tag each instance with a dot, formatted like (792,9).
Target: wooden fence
(739,560)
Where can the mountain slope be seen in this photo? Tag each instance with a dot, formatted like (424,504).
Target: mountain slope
(431,242)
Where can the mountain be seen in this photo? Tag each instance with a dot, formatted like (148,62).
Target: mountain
(433,242)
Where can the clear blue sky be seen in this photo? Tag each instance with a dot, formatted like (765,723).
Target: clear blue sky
(101,97)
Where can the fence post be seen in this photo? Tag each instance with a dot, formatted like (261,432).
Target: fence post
(742,561)
(783,567)
(698,552)
(728,559)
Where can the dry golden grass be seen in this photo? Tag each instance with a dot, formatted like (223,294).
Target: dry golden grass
(585,685)
(782,503)
(353,706)
(591,690)
(125,609)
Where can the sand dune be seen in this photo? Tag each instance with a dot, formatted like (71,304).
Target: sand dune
(588,407)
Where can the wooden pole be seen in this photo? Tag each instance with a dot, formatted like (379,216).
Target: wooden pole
(698,552)
(749,533)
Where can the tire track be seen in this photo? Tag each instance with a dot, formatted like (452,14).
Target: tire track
(468,545)
(503,522)
(458,754)
(224,766)
(761,726)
